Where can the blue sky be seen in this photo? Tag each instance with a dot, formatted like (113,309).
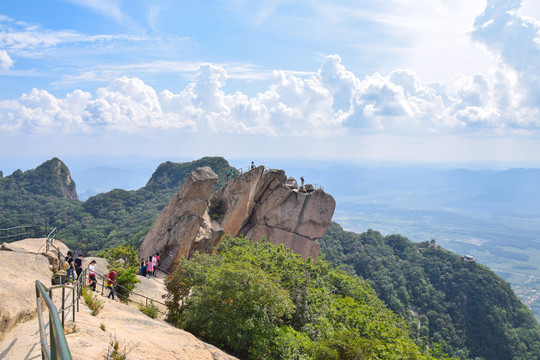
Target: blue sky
(360,80)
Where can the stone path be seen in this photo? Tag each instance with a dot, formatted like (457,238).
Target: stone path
(137,335)
(22,342)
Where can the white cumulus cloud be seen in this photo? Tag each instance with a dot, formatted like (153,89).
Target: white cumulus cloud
(515,40)
(330,102)
(5,60)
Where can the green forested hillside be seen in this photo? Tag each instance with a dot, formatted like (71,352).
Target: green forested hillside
(52,178)
(261,301)
(442,297)
(36,197)
(451,306)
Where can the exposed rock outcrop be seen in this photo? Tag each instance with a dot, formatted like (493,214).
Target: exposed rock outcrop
(91,336)
(257,203)
(20,270)
(183,223)
(38,247)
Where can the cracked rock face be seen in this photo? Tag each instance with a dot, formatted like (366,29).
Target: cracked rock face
(256,204)
(178,225)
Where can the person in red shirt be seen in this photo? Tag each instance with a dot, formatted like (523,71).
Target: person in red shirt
(157,261)
(110,283)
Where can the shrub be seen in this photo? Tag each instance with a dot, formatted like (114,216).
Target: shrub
(150,310)
(115,353)
(92,301)
(126,270)
(216,209)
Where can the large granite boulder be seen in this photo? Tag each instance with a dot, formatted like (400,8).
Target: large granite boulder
(39,246)
(256,204)
(20,270)
(182,220)
(293,219)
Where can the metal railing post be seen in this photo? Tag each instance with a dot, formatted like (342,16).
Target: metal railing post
(52,340)
(63,304)
(73,302)
(57,347)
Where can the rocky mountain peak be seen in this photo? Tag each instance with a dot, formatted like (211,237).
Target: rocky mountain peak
(256,204)
(50,178)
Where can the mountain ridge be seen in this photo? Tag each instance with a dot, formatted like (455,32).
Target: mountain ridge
(121,216)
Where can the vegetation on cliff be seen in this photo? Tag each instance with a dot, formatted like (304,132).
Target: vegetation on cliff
(262,301)
(52,178)
(125,261)
(109,219)
(442,297)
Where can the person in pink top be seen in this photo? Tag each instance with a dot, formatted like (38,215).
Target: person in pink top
(150,266)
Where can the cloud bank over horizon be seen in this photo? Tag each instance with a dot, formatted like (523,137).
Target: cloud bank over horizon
(334,101)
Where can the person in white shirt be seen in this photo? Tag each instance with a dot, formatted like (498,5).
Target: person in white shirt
(92,275)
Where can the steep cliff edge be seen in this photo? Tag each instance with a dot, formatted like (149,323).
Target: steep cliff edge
(255,204)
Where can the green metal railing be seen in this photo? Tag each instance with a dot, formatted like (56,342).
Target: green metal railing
(57,348)
(22,231)
(131,293)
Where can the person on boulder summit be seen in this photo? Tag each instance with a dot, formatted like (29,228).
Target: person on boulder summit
(71,268)
(92,275)
(110,283)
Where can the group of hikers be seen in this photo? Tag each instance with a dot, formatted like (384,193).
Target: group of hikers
(75,266)
(149,267)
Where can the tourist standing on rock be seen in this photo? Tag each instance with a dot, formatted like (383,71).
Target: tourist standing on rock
(92,275)
(110,283)
(150,266)
(252,165)
(71,268)
(78,265)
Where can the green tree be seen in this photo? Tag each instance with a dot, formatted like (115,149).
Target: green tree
(123,260)
(262,301)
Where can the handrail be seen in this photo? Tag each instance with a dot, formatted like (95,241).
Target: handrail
(57,347)
(245,169)
(127,299)
(75,292)
(18,234)
(49,241)
(58,344)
